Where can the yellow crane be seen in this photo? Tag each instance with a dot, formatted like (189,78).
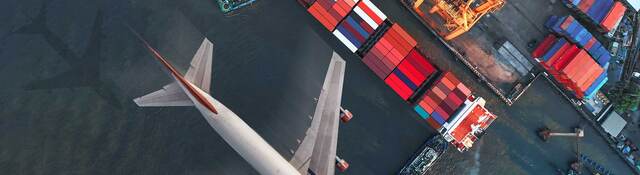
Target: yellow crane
(460,15)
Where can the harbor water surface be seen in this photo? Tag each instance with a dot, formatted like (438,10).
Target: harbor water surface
(66,98)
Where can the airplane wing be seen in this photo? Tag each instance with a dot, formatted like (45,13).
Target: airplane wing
(316,154)
(199,74)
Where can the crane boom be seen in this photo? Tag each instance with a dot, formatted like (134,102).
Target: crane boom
(459,15)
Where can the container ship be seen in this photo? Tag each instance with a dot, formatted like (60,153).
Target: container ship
(451,109)
(227,6)
(425,157)
(395,57)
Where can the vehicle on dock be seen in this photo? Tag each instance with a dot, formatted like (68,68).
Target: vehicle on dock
(425,157)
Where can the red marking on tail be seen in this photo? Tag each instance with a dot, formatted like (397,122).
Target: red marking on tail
(201,99)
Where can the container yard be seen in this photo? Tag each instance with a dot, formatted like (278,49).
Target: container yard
(603,15)
(394,58)
(482,48)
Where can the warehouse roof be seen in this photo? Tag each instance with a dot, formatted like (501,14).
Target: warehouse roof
(614,124)
(635,4)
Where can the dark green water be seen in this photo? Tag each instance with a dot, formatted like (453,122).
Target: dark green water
(65,98)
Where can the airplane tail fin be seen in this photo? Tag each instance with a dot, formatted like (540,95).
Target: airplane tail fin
(199,75)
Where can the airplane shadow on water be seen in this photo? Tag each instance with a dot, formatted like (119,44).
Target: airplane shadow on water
(85,69)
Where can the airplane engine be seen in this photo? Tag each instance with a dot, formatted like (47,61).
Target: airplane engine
(345,115)
(341,164)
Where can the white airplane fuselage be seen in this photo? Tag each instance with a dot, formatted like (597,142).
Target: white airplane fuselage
(240,136)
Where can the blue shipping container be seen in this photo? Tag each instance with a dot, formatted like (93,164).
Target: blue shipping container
(423,114)
(405,79)
(601,81)
(561,42)
(438,117)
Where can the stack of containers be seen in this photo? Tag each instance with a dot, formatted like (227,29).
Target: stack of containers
(613,17)
(576,33)
(571,66)
(331,12)
(410,74)
(442,100)
(392,56)
(389,51)
(604,14)
(361,23)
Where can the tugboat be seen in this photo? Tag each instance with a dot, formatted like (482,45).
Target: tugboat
(425,157)
(227,6)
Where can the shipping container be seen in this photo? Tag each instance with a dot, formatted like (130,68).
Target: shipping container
(603,14)
(544,46)
(414,71)
(613,17)
(359,25)
(330,12)
(444,98)
(602,79)
(574,32)
(389,51)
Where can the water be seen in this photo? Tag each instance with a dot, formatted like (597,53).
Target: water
(269,63)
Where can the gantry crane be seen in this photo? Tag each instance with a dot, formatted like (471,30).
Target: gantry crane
(576,166)
(460,15)
(545,133)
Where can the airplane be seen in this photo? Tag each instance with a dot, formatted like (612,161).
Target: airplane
(85,69)
(315,155)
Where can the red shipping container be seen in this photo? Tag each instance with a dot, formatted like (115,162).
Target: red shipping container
(370,61)
(464,89)
(388,63)
(416,58)
(443,87)
(453,78)
(384,46)
(449,104)
(585,5)
(448,84)
(439,93)
(583,77)
(370,13)
(395,56)
(457,100)
(412,42)
(324,18)
(443,113)
(459,94)
(562,62)
(565,24)
(431,103)
(398,86)
(411,72)
(325,7)
(592,77)
(427,108)
(615,14)
(433,123)
(563,53)
(544,46)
